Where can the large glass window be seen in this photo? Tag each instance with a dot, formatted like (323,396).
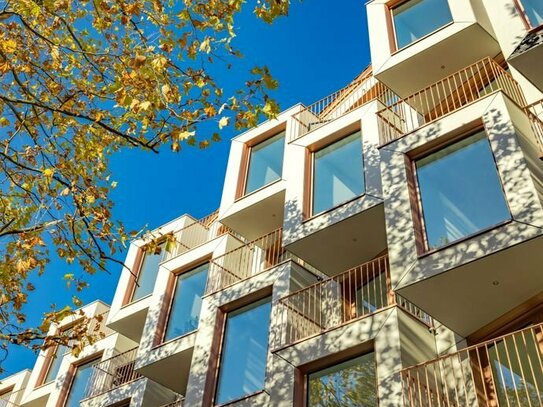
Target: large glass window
(265,163)
(414,19)
(56,359)
(534,11)
(79,383)
(349,384)
(245,350)
(338,173)
(147,273)
(460,191)
(187,302)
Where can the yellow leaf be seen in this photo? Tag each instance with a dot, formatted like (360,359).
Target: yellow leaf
(185,135)
(4,122)
(8,46)
(223,122)
(145,105)
(48,172)
(205,46)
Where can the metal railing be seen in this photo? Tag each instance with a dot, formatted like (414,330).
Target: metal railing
(4,402)
(195,234)
(112,373)
(362,90)
(535,114)
(245,261)
(176,403)
(503,372)
(338,300)
(446,96)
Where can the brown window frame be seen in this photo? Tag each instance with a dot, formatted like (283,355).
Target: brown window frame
(134,277)
(417,212)
(70,376)
(215,355)
(169,296)
(526,21)
(301,376)
(309,175)
(393,40)
(246,160)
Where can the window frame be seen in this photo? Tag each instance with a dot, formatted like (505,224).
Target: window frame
(301,396)
(132,285)
(217,348)
(70,377)
(166,308)
(245,163)
(417,210)
(525,19)
(391,27)
(309,181)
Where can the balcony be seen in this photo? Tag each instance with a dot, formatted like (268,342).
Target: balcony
(447,96)
(362,90)
(195,234)
(535,114)
(506,371)
(112,373)
(331,303)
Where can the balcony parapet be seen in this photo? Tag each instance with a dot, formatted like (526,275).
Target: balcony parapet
(195,234)
(359,92)
(177,403)
(333,302)
(535,114)
(505,371)
(112,373)
(442,98)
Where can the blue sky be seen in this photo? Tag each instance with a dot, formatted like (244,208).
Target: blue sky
(317,49)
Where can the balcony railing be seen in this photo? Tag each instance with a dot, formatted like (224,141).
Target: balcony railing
(195,234)
(503,372)
(245,261)
(177,403)
(446,96)
(4,402)
(362,90)
(112,373)
(535,114)
(338,300)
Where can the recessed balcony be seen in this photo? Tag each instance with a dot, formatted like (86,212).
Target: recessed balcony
(348,297)
(505,371)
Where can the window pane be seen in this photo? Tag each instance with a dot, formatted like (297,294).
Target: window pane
(534,11)
(266,163)
(338,174)
(349,384)
(79,383)
(245,350)
(147,274)
(417,18)
(187,302)
(55,363)
(460,191)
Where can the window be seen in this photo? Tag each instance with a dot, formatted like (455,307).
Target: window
(57,355)
(533,9)
(147,273)
(460,191)
(79,383)
(265,163)
(5,395)
(349,384)
(338,173)
(186,303)
(415,19)
(245,350)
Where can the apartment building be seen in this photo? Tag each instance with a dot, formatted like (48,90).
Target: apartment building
(380,247)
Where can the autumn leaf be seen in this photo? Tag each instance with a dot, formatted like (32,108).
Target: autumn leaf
(223,122)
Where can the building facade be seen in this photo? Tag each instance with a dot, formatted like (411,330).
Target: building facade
(380,247)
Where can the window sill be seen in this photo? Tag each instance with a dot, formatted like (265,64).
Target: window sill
(248,396)
(161,344)
(430,252)
(256,191)
(310,218)
(136,301)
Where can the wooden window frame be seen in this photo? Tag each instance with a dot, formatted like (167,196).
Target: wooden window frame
(309,173)
(216,352)
(417,210)
(524,17)
(301,376)
(169,296)
(245,162)
(391,29)
(70,377)
(134,277)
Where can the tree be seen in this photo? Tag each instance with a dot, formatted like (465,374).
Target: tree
(83,79)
